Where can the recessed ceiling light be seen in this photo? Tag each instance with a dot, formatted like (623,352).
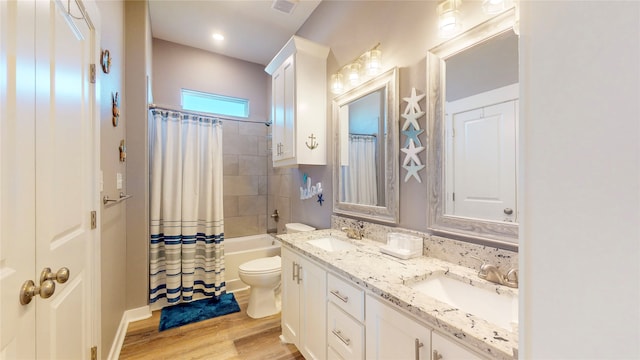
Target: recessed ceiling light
(218,37)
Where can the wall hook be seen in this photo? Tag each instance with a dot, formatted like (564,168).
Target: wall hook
(314,143)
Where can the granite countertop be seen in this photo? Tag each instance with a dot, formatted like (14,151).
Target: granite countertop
(388,277)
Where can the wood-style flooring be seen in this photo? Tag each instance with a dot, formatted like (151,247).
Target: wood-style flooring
(234,336)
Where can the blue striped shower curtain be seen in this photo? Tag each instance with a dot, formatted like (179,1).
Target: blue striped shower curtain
(186,213)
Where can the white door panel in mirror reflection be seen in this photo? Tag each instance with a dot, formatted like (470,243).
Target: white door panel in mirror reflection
(481,160)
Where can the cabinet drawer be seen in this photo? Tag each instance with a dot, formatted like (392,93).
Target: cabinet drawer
(332,354)
(344,334)
(347,296)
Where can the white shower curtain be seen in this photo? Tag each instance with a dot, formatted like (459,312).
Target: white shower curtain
(360,185)
(187,227)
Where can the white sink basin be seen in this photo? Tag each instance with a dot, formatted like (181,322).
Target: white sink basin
(331,244)
(499,309)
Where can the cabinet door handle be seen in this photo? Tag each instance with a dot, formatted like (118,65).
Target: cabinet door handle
(337,294)
(418,345)
(436,355)
(299,277)
(338,334)
(293,273)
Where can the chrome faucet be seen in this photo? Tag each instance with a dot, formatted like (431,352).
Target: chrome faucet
(353,233)
(491,273)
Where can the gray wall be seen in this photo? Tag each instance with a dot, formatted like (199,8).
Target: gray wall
(138,61)
(249,179)
(113,247)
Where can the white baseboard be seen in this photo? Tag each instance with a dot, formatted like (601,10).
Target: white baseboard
(128,316)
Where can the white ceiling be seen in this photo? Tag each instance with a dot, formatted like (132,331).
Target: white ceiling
(253,30)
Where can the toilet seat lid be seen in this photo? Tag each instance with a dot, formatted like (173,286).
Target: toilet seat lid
(267,264)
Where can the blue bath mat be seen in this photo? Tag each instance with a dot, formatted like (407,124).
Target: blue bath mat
(186,313)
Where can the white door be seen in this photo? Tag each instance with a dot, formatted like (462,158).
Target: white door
(49,144)
(17,180)
(483,176)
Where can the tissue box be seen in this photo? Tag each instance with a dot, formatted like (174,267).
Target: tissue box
(403,246)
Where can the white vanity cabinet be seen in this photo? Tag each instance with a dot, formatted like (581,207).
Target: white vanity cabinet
(298,108)
(393,335)
(345,317)
(328,316)
(304,304)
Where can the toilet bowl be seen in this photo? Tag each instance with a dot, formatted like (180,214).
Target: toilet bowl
(263,275)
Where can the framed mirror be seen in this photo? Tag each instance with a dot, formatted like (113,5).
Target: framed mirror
(365,171)
(473,85)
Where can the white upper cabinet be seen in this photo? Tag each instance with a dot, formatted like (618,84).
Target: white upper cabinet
(298,105)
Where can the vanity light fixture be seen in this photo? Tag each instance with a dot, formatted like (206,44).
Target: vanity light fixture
(493,7)
(367,64)
(449,19)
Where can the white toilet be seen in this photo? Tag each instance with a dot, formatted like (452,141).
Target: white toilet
(264,277)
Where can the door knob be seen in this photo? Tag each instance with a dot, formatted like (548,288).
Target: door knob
(29,290)
(61,276)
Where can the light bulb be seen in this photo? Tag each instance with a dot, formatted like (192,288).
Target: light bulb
(449,24)
(494,6)
(449,19)
(336,83)
(354,73)
(373,64)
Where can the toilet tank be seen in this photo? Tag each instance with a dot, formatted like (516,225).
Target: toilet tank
(297,227)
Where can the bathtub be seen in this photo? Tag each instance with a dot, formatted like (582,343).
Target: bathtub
(242,249)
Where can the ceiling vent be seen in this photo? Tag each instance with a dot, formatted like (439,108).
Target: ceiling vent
(285,6)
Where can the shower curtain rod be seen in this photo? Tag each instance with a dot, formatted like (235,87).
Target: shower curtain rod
(157,106)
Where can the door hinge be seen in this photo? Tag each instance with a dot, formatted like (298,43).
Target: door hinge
(94,353)
(92,73)
(453,196)
(94,220)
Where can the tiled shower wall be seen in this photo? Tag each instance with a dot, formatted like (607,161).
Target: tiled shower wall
(245,178)
(279,194)
(253,189)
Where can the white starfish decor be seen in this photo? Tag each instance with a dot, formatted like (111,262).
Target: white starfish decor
(412,102)
(412,170)
(411,129)
(412,119)
(412,153)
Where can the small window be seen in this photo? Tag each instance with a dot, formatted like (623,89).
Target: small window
(216,104)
